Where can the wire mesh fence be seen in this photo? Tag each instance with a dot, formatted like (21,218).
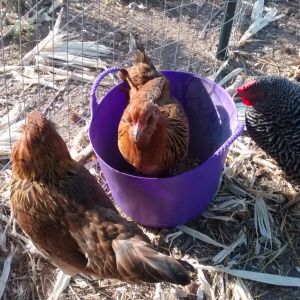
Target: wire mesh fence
(52,50)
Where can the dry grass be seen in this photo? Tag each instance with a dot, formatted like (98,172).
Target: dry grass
(246,227)
(250,226)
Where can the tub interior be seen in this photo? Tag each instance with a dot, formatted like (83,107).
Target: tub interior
(210,110)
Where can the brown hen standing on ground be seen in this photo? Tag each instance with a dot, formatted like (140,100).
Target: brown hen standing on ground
(67,215)
(153,133)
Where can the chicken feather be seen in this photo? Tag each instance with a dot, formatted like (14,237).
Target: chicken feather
(153,133)
(273,120)
(68,216)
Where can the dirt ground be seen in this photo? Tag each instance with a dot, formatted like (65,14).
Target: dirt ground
(179,35)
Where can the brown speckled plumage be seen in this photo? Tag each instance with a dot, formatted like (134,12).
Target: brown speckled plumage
(67,215)
(164,136)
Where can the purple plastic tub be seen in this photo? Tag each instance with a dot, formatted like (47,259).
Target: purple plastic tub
(167,202)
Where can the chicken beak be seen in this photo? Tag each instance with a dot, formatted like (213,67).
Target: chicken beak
(137,130)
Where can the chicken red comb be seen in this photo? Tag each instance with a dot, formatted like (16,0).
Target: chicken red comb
(240,90)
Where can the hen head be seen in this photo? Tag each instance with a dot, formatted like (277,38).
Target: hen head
(144,118)
(265,88)
(40,152)
(144,114)
(249,92)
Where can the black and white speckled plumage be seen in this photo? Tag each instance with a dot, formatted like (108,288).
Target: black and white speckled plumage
(273,121)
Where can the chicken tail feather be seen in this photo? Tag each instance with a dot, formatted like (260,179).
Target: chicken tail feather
(137,259)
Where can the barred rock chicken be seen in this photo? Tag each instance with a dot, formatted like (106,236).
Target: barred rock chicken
(273,120)
(61,207)
(153,133)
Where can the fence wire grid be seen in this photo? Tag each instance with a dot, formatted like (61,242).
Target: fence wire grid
(52,50)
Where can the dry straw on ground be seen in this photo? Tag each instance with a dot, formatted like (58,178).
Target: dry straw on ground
(245,246)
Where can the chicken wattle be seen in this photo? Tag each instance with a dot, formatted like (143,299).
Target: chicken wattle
(273,120)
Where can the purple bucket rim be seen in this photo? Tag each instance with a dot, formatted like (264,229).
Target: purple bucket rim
(94,106)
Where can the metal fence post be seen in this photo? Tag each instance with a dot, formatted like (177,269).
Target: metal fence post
(225,32)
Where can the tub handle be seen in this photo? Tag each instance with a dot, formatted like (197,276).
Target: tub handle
(94,104)
(234,136)
(93,97)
